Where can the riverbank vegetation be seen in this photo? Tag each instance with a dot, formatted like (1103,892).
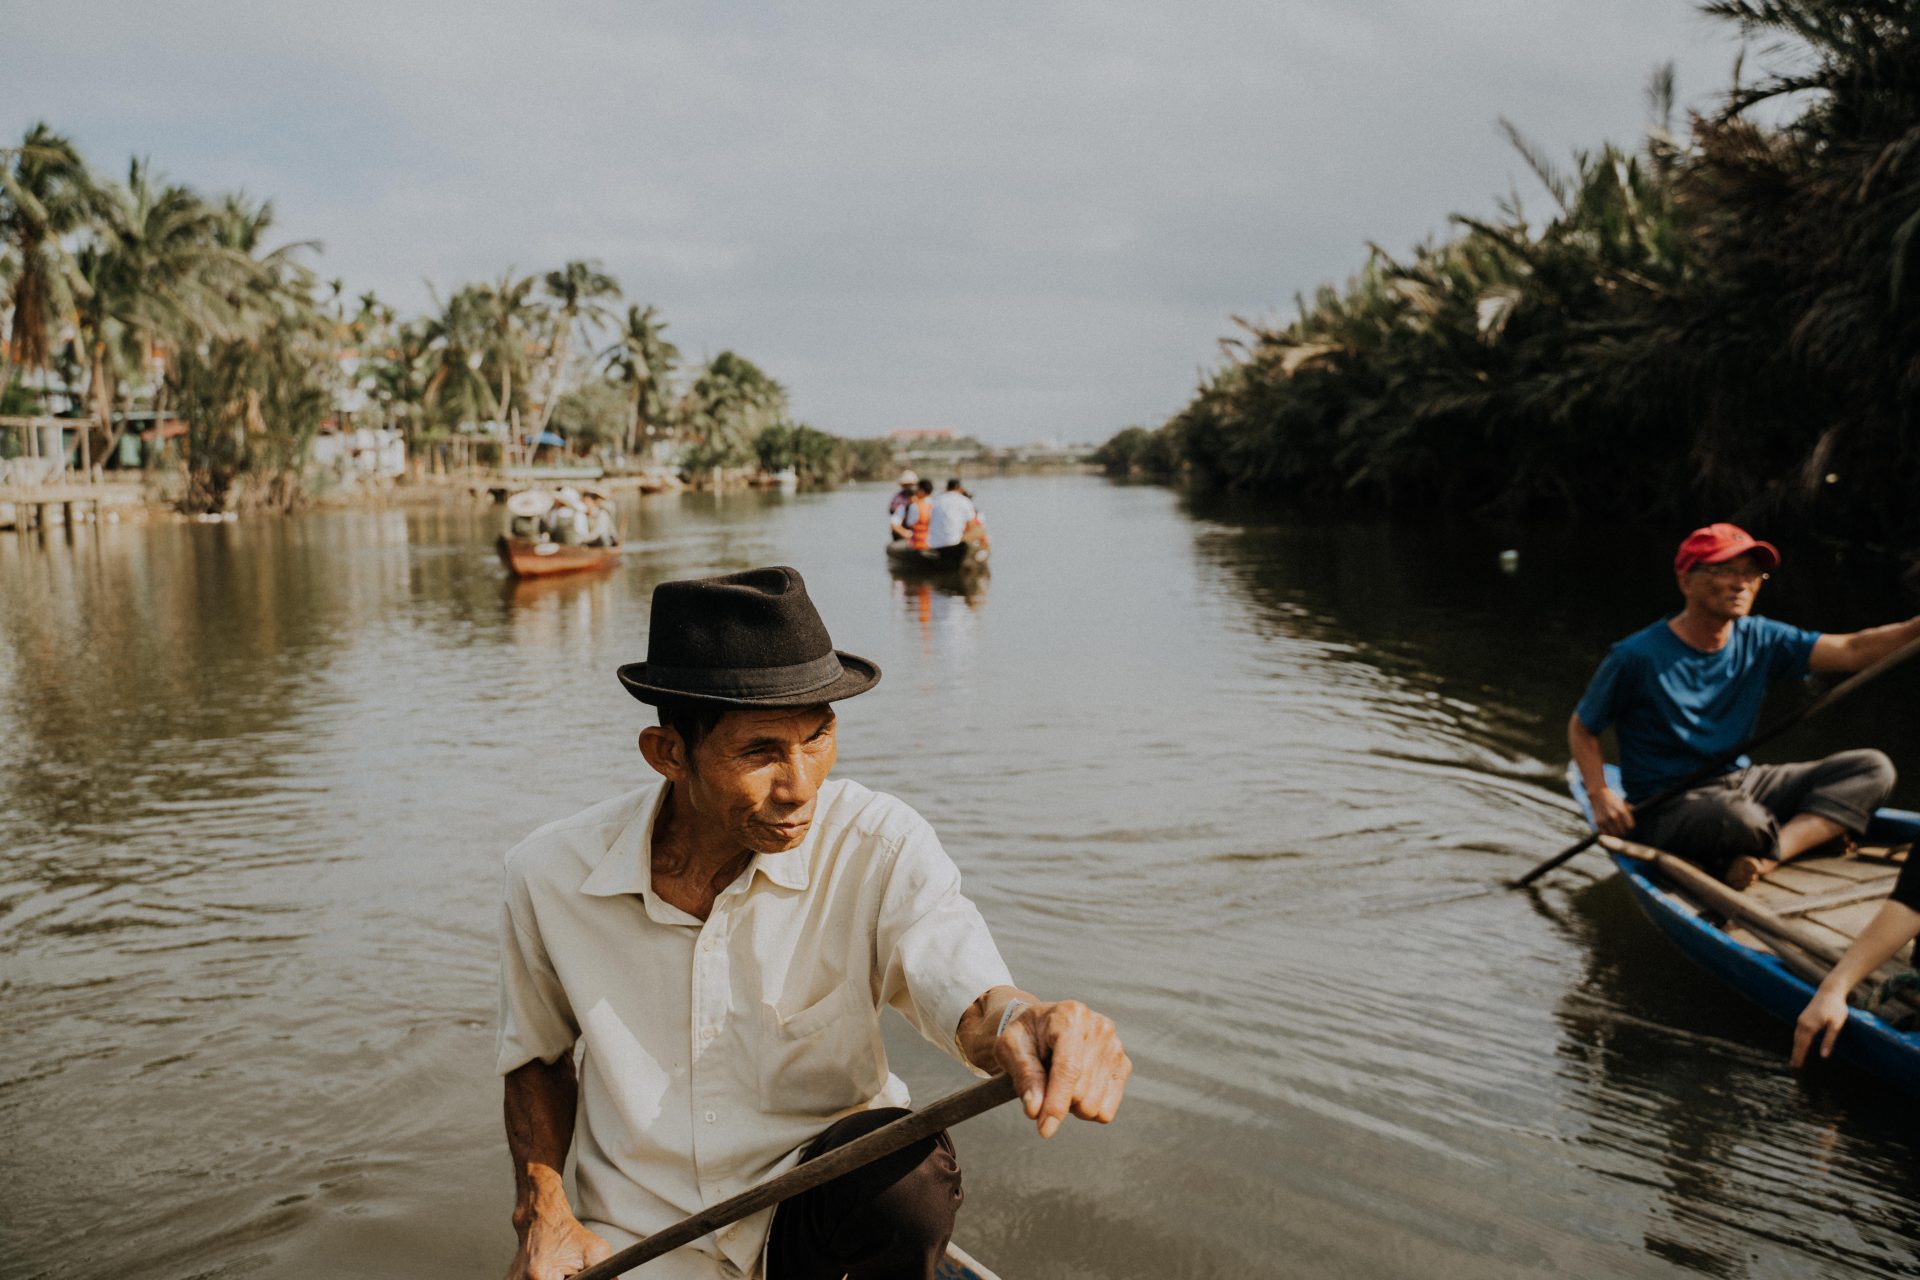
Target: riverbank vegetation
(1723,322)
(145,302)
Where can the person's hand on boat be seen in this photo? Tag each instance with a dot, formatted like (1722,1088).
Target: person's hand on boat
(553,1246)
(1821,1020)
(1611,812)
(1063,1058)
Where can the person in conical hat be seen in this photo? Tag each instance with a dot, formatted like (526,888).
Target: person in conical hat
(908,483)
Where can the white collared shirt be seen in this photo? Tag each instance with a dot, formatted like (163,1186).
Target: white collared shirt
(710,1052)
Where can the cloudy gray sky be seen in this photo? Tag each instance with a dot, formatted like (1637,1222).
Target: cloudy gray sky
(1020,220)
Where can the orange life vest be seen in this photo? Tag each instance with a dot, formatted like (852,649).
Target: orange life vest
(922,510)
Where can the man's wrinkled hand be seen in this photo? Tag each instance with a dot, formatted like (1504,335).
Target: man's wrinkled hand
(555,1247)
(1064,1057)
(1611,813)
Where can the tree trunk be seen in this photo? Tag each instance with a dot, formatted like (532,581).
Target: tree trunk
(556,361)
(633,424)
(126,407)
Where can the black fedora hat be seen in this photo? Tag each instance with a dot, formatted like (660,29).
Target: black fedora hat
(749,639)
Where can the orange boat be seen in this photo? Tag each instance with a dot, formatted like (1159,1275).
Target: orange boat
(529,559)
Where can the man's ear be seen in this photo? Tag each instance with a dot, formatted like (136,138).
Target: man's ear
(665,752)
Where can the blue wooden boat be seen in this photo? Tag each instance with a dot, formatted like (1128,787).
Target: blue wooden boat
(1836,895)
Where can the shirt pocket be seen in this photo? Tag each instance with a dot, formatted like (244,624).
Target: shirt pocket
(825,1058)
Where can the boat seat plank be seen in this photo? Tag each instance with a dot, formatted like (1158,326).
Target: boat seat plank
(1865,865)
(1848,920)
(1831,934)
(1860,891)
(1810,877)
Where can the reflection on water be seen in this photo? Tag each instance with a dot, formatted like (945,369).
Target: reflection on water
(1226,779)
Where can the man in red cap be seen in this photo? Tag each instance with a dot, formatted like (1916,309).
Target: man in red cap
(1687,690)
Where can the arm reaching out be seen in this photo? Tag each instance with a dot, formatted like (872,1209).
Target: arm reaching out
(1858,650)
(1063,1056)
(1891,928)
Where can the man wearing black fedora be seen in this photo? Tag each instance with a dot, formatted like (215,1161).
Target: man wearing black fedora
(693,973)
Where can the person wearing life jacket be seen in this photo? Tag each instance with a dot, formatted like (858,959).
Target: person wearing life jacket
(917,519)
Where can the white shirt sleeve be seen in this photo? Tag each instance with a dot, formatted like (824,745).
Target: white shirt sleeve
(536,1019)
(934,951)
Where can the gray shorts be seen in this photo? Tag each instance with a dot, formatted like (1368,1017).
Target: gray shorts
(1741,814)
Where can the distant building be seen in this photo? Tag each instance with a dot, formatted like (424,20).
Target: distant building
(920,435)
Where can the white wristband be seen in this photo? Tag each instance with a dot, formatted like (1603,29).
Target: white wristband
(1006,1016)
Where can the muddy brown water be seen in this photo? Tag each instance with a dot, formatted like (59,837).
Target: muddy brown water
(1223,777)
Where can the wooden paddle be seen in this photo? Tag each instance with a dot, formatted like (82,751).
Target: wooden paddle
(823,1168)
(1852,684)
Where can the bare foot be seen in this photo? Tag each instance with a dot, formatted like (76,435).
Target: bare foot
(1743,871)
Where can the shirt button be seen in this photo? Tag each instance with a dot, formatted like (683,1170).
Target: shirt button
(707,1034)
(711,1117)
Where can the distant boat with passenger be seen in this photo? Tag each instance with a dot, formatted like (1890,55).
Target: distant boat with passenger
(967,558)
(528,558)
(587,538)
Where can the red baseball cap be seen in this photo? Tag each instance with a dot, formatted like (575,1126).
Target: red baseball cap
(1718,542)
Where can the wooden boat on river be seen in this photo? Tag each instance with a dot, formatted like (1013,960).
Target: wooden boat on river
(1775,941)
(528,558)
(963,559)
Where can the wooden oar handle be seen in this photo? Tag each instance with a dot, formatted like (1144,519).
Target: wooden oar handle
(823,1168)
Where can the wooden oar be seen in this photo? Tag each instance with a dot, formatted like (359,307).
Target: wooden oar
(823,1168)
(1852,684)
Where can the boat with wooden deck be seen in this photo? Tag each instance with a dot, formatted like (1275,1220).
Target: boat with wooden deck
(528,558)
(1775,941)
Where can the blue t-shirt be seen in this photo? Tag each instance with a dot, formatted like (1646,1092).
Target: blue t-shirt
(1675,708)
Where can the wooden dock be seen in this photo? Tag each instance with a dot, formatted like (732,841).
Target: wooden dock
(33,508)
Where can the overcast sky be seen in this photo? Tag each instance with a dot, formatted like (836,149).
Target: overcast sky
(1023,221)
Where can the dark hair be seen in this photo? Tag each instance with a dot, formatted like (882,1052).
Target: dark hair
(925,486)
(691,719)
(953,484)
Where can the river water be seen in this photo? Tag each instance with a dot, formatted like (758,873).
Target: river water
(1233,781)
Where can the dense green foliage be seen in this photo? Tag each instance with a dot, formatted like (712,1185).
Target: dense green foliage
(1718,323)
(149,297)
(822,459)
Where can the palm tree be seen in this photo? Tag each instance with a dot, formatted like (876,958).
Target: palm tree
(457,343)
(46,196)
(159,279)
(730,401)
(255,396)
(512,314)
(643,361)
(579,291)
